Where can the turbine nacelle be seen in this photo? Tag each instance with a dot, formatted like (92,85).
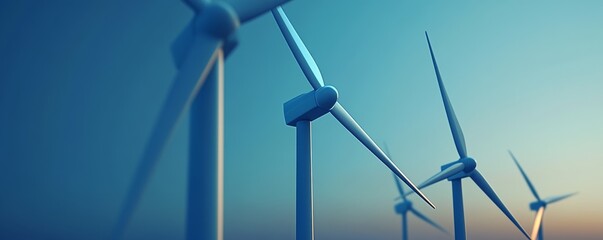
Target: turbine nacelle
(311,105)
(534,206)
(469,164)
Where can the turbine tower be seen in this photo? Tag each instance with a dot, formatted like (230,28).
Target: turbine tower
(198,53)
(540,204)
(301,111)
(462,168)
(406,206)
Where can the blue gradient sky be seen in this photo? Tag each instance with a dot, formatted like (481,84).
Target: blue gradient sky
(81,83)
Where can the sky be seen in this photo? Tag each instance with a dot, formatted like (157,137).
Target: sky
(81,83)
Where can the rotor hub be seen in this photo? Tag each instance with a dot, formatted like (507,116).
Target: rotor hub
(326,97)
(469,163)
(402,207)
(218,19)
(534,206)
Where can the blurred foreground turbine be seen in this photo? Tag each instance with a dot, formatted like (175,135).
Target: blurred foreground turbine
(199,53)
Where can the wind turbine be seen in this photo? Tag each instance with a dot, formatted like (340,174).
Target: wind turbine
(199,53)
(540,204)
(405,206)
(301,111)
(462,168)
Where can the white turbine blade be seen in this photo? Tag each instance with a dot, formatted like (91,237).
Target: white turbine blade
(191,75)
(444,174)
(352,126)
(485,187)
(247,10)
(537,223)
(455,127)
(525,176)
(427,220)
(558,198)
(298,48)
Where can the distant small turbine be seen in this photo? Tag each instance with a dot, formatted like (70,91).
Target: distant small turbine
(301,111)
(540,204)
(462,168)
(405,206)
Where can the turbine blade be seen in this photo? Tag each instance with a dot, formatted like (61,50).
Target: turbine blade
(558,198)
(455,127)
(444,174)
(299,50)
(485,187)
(247,10)
(398,185)
(427,220)
(352,126)
(537,223)
(525,176)
(182,44)
(191,75)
